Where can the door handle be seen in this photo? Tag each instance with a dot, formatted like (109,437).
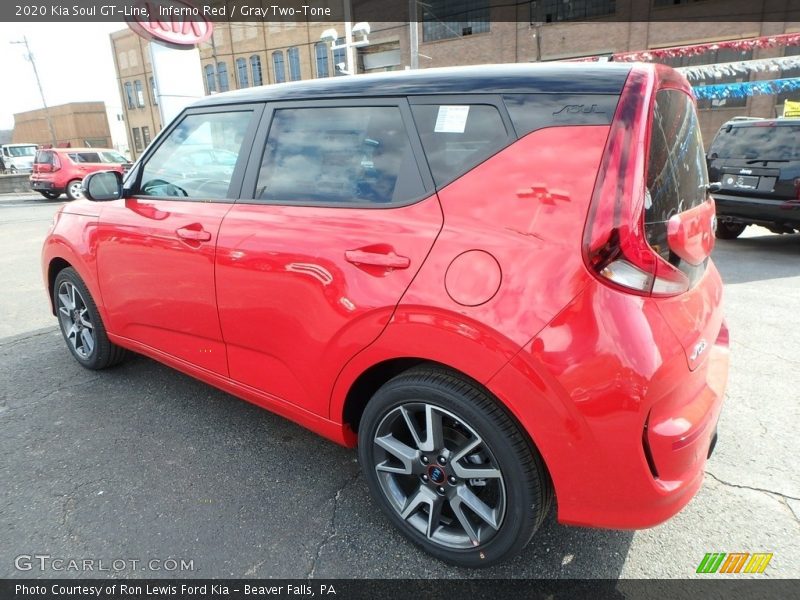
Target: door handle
(388,260)
(193,234)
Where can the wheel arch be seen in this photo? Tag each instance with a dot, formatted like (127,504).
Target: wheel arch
(56,265)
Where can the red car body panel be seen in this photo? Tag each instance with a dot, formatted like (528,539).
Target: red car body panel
(157,279)
(294,308)
(288,306)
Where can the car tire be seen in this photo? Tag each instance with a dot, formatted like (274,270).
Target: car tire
(50,195)
(728,230)
(74,190)
(465,483)
(81,325)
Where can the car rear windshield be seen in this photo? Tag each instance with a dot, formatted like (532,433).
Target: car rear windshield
(43,157)
(677,178)
(757,141)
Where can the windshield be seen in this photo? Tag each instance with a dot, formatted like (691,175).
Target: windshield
(761,142)
(18,151)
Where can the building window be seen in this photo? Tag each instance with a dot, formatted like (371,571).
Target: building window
(445,19)
(146,136)
(129,95)
(339,58)
(277,64)
(211,79)
(255,67)
(154,91)
(137,139)
(294,64)
(222,73)
(321,51)
(549,11)
(137,86)
(711,58)
(241,73)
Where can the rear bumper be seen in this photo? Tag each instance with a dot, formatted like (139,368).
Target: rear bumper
(758,210)
(46,186)
(623,424)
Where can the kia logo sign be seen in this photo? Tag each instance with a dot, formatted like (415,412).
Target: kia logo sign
(171,22)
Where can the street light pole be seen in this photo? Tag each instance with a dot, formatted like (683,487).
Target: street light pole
(29,57)
(413,34)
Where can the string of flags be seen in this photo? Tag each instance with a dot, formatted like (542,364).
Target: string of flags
(764,65)
(747,88)
(740,89)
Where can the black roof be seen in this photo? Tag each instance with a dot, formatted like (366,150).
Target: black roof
(779,122)
(555,77)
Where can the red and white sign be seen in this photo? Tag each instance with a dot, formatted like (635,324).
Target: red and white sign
(173,22)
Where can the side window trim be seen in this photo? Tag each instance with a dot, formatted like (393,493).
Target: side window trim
(133,182)
(250,179)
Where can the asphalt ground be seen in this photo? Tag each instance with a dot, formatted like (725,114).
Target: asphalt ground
(142,463)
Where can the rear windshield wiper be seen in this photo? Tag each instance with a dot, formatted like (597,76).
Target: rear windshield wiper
(758,160)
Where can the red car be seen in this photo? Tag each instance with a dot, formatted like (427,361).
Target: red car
(495,281)
(59,171)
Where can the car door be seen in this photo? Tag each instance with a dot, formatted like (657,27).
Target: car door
(156,247)
(337,215)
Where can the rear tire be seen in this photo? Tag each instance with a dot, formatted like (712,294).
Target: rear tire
(728,230)
(450,469)
(81,325)
(74,189)
(50,195)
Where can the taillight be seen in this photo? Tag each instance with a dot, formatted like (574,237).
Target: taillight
(614,243)
(56,162)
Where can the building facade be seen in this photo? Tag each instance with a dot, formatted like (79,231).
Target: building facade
(464,32)
(77,124)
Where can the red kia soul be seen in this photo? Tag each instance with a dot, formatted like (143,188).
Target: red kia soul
(494,281)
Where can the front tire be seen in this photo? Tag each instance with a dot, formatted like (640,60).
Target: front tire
(75,189)
(81,325)
(451,469)
(729,230)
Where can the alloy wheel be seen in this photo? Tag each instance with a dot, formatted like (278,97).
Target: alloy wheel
(439,475)
(75,320)
(75,190)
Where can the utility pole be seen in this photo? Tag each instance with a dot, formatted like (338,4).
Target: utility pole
(29,57)
(413,34)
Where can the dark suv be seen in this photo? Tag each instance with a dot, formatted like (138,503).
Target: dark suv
(757,163)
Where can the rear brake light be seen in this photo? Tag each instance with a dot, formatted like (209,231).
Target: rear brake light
(614,243)
(56,162)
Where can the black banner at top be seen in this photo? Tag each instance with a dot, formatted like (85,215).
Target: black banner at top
(534,12)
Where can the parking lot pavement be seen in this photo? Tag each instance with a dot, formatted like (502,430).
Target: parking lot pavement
(141,462)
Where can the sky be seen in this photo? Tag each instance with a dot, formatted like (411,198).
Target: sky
(74,61)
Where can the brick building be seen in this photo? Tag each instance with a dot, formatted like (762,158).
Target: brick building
(76,124)
(462,32)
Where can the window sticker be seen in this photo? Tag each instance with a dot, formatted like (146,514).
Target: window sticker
(451,119)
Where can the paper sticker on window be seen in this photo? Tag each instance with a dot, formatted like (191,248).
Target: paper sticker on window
(451,119)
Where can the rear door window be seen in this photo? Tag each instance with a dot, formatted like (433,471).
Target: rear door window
(84,157)
(457,137)
(757,142)
(358,154)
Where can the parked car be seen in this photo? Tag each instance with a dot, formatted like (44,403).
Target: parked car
(18,158)
(757,165)
(494,281)
(61,170)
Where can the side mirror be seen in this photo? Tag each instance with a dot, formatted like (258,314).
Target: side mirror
(103,186)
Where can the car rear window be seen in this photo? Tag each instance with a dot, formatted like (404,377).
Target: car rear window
(761,141)
(457,137)
(677,178)
(44,157)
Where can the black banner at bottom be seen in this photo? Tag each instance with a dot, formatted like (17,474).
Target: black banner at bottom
(410,589)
